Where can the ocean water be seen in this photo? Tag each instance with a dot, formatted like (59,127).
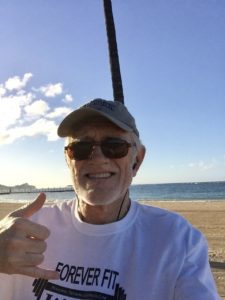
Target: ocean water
(173,191)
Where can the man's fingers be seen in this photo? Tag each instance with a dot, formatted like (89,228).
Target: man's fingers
(24,228)
(30,209)
(34,259)
(37,231)
(37,272)
(35,246)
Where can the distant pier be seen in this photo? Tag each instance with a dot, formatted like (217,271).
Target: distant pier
(28,190)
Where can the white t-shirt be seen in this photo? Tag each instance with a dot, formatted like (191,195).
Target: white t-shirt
(151,254)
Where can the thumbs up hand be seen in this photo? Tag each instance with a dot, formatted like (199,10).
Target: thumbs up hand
(22,243)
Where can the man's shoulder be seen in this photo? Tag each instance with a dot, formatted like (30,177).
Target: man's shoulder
(56,210)
(158,212)
(164,217)
(169,223)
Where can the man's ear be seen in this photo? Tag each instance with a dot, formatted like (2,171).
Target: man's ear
(138,160)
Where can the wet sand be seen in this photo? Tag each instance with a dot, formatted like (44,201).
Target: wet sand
(207,216)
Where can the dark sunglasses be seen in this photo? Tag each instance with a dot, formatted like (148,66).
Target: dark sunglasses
(111,148)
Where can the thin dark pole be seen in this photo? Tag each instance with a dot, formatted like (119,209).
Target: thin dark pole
(113,52)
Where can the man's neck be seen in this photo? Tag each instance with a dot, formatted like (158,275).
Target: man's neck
(103,214)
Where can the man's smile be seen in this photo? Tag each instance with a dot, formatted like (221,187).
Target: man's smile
(102,175)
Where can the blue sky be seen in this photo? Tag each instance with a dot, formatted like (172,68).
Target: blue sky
(54,57)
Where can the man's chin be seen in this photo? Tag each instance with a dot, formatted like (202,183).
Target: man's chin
(95,200)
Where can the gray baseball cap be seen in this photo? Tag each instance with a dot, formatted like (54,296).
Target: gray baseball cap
(114,111)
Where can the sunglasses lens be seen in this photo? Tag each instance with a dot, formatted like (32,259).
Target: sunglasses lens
(111,148)
(115,148)
(81,150)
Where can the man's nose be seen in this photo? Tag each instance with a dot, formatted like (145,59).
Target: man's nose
(97,153)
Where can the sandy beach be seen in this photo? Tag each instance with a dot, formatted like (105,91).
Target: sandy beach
(207,216)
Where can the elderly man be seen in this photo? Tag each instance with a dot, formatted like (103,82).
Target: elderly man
(102,245)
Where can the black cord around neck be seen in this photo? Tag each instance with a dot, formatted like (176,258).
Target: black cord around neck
(121,205)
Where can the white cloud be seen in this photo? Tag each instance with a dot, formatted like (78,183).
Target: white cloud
(23,114)
(58,112)
(10,113)
(22,99)
(52,90)
(11,108)
(203,165)
(191,165)
(39,127)
(37,108)
(68,98)
(2,90)
(44,127)
(207,165)
(17,83)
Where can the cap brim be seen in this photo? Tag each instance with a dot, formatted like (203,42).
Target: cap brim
(68,125)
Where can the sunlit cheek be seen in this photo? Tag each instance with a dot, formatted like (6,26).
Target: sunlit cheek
(127,172)
(73,173)
(72,177)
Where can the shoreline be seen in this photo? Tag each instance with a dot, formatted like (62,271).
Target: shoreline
(22,201)
(212,205)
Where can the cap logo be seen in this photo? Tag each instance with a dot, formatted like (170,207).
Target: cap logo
(101,104)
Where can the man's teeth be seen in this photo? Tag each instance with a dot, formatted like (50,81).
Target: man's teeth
(100,175)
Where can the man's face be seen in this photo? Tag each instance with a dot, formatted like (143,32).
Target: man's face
(99,180)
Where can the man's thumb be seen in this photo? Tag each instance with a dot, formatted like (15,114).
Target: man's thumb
(28,210)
